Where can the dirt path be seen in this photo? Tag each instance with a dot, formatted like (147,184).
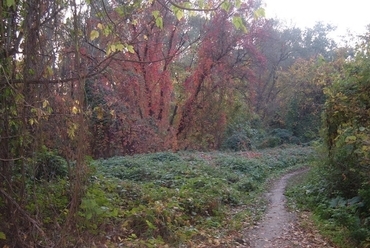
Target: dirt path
(281,228)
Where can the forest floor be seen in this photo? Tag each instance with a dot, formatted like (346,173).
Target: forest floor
(281,227)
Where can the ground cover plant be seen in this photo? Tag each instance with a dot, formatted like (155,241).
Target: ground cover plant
(184,198)
(342,220)
(162,199)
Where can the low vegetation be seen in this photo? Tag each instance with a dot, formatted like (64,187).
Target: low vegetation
(164,199)
(343,220)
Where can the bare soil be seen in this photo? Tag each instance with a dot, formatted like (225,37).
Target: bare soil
(280,227)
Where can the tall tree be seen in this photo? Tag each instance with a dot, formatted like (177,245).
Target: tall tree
(32,81)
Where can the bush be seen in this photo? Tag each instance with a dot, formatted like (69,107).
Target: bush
(348,217)
(238,142)
(243,133)
(270,142)
(278,137)
(49,166)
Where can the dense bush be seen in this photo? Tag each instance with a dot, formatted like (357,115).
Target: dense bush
(238,142)
(49,165)
(339,191)
(242,134)
(278,137)
(347,134)
(344,220)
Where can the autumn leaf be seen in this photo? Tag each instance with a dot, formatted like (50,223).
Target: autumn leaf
(351,139)
(259,13)
(99,113)
(179,14)
(94,35)
(74,110)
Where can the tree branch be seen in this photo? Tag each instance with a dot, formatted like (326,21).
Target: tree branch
(195,9)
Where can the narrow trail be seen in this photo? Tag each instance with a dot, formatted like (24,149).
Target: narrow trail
(280,228)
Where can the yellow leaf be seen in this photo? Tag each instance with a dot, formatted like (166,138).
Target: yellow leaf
(100,26)
(45,103)
(74,110)
(179,14)
(94,35)
(71,130)
(259,13)
(351,139)
(99,113)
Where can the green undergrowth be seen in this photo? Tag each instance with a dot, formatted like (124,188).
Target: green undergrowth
(181,198)
(164,199)
(341,220)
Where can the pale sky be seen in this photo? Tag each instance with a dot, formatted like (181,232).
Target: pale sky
(345,14)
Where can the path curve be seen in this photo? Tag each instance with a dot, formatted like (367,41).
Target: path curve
(280,228)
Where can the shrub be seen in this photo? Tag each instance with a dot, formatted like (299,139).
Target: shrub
(278,137)
(49,165)
(238,142)
(270,142)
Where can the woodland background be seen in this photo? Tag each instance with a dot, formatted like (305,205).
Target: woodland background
(87,80)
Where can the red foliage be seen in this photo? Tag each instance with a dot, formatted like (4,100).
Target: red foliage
(225,57)
(149,114)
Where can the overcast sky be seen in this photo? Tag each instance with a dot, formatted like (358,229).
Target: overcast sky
(345,14)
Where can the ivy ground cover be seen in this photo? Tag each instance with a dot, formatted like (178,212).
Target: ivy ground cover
(181,199)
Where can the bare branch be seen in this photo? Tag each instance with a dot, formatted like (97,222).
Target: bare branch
(195,9)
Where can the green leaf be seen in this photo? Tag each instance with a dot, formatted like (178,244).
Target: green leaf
(130,48)
(226,5)
(188,5)
(259,13)
(120,47)
(201,4)
(155,13)
(50,71)
(159,22)
(179,14)
(158,19)
(2,235)
(150,225)
(10,3)
(238,23)
(94,35)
